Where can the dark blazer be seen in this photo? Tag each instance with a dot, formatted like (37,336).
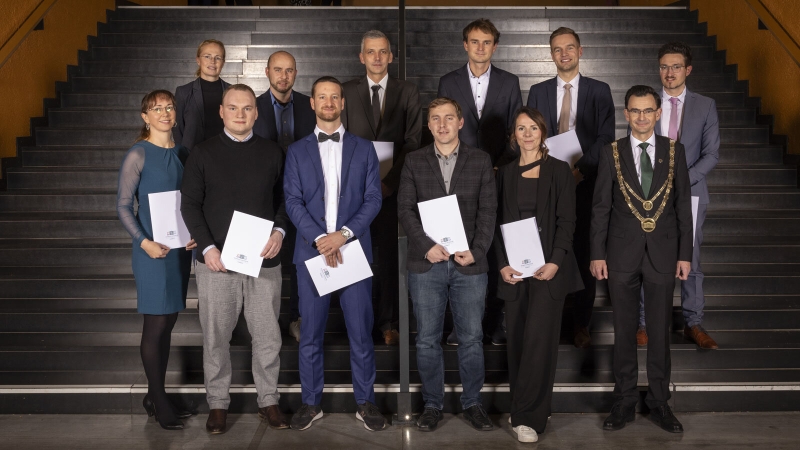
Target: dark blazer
(304,118)
(594,122)
(472,183)
(699,134)
(555,216)
(190,116)
(503,99)
(617,235)
(304,188)
(401,122)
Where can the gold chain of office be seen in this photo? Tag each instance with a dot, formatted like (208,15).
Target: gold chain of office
(648,224)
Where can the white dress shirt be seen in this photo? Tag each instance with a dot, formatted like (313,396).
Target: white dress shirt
(249,136)
(666,110)
(381,91)
(479,85)
(330,155)
(637,154)
(573,92)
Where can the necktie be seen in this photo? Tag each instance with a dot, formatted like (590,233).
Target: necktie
(331,190)
(647,170)
(566,103)
(322,137)
(376,105)
(673,119)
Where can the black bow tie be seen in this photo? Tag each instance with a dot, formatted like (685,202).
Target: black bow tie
(322,137)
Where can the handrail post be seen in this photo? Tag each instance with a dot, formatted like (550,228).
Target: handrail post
(404,416)
(401,40)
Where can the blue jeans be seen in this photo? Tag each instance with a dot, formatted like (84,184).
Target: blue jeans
(467,293)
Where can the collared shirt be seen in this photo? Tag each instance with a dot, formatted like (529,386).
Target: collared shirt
(637,153)
(331,168)
(573,92)
(447,164)
(249,136)
(381,91)
(284,120)
(666,110)
(479,85)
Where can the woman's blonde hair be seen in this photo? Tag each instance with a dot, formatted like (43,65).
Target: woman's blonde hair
(200,50)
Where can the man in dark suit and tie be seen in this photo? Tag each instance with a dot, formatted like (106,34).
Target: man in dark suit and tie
(641,238)
(333,192)
(435,276)
(285,116)
(489,98)
(690,119)
(573,102)
(383,108)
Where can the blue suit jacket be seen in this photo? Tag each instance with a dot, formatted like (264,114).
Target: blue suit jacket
(594,123)
(699,134)
(304,188)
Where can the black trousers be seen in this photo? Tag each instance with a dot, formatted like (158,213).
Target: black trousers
(384,232)
(584,300)
(625,291)
(533,326)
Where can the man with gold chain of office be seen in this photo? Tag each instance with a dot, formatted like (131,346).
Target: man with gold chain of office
(641,238)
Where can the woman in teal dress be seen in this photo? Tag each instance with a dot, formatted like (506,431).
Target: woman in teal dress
(155,164)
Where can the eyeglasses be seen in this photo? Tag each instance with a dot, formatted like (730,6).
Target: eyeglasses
(636,112)
(213,58)
(675,68)
(160,110)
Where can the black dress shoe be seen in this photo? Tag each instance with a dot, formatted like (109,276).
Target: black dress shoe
(620,415)
(665,419)
(429,419)
(167,424)
(477,417)
(150,408)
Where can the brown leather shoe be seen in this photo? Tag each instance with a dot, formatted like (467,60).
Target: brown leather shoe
(274,417)
(641,337)
(216,423)
(582,338)
(391,337)
(699,336)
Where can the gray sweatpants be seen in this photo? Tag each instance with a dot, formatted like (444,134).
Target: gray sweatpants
(222,296)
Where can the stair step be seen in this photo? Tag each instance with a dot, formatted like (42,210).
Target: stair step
(535,52)
(62,178)
(58,200)
(751,134)
(753,197)
(73,156)
(598,38)
(54,225)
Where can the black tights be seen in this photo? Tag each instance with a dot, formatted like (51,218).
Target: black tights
(156,337)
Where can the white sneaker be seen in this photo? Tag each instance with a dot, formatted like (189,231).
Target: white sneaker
(526,434)
(294,328)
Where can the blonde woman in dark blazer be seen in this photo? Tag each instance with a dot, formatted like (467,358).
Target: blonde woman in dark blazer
(535,185)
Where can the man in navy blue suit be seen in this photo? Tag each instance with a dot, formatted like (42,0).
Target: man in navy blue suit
(285,116)
(569,102)
(333,192)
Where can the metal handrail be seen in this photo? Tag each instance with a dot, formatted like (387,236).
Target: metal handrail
(777,30)
(24,30)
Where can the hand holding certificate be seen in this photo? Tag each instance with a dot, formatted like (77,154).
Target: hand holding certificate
(353,268)
(166,219)
(441,220)
(523,247)
(246,239)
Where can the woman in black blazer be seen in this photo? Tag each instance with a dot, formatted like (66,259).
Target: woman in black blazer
(197,103)
(535,185)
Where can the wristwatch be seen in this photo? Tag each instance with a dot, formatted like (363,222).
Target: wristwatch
(346,233)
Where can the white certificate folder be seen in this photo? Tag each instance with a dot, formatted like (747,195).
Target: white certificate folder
(523,247)
(247,237)
(385,152)
(565,146)
(353,269)
(441,220)
(166,219)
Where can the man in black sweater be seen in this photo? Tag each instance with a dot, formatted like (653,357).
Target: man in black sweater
(236,171)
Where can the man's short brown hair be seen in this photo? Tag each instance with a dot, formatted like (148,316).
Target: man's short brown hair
(564,30)
(238,87)
(441,101)
(484,25)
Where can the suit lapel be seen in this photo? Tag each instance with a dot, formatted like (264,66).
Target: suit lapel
(552,103)
(390,100)
(583,94)
(348,150)
(197,96)
(466,91)
(510,186)
(495,87)
(660,166)
(463,154)
(430,155)
(269,117)
(543,189)
(628,165)
(312,148)
(688,104)
(366,103)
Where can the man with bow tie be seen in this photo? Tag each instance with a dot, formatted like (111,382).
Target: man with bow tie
(333,192)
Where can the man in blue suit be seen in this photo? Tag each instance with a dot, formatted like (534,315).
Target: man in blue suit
(690,119)
(571,101)
(333,192)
